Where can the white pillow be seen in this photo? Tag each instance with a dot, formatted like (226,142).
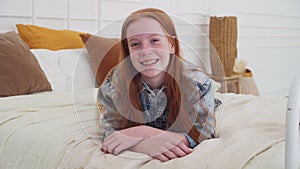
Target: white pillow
(66,69)
(75,65)
(48,61)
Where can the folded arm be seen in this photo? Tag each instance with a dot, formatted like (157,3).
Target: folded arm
(160,144)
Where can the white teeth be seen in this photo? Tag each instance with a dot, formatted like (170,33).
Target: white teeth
(149,62)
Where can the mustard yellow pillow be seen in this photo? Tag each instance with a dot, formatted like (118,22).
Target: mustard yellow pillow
(45,38)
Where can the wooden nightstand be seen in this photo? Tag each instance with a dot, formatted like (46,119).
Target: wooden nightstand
(230,84)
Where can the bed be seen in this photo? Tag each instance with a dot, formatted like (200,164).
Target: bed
(57,126)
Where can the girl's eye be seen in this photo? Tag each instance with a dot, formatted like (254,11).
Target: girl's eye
(134,44)
(155,40)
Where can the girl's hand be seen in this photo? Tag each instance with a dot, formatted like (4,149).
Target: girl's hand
(166,146)
(118,142)
(126,138)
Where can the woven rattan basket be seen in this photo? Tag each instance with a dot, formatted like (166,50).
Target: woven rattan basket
(223,38)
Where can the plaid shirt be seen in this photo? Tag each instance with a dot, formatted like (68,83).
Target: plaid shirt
(154,103)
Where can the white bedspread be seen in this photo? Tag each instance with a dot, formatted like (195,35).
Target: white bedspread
(59,130)
(34,129)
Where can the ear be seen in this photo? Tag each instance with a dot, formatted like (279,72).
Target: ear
(172,49)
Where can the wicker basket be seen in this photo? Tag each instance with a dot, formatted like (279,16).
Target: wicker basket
(223,38)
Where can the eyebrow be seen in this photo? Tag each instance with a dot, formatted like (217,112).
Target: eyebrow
(151,35)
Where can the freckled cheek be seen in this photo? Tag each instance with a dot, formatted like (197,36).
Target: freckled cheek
(134,52)
(162,47)
(134,56)
(134,60)
(162,52)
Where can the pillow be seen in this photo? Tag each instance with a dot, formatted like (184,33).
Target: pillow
(20,72)
(76,68)
(48,60)
(66,69)
(44,38)
(104,54)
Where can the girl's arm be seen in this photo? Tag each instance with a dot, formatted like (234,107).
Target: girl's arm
(160,144)
(126,138)
(164,146)
(116,139)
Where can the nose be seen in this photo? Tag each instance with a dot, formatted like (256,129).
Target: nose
(145,49)
(146,45)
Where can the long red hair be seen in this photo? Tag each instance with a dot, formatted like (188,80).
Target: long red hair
(130,83)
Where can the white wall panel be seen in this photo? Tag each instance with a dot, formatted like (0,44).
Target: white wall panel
(269,41)
(115,10)
(194,13)
(111,28)
(9,23)
(84,9)
(193,41)
(16,7)
(274,7)
(51,8)
(263,31)
(268,31)
(273,67)
(84,26)
(52,23)
(169,6)
(271,21)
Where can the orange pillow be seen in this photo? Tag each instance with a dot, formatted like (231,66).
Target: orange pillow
(104,54)
(44,38)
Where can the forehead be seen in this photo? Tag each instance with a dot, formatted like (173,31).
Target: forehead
(144,25)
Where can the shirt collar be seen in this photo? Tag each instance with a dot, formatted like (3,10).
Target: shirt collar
(147,88)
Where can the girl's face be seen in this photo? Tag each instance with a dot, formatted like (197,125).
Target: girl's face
(149,47)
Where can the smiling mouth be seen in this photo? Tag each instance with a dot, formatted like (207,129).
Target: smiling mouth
(149,62)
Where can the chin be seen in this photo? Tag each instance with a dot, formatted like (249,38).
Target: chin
(151,73)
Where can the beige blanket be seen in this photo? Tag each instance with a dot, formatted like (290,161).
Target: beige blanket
(247,127)
(58,130)
(34,129)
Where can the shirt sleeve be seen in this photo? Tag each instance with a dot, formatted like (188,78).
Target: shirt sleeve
(191,141)
(110,120)
(203,102)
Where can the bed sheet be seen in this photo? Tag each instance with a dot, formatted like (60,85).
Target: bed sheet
(250,129)
(60,130)
(34,129)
